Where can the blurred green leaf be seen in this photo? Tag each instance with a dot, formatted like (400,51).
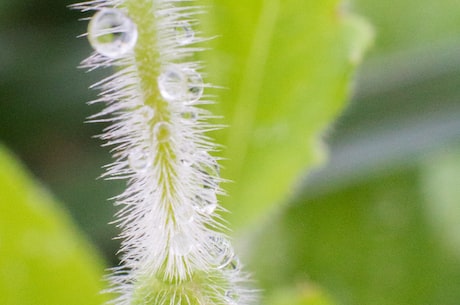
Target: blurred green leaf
(440,179)
(406,24)
(288,65)
(44,260)
(368,241)
(302,294)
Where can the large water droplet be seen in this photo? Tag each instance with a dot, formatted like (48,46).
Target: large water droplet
(184,33)
(185,85)
(111,33)
(180,244)
(140,159)
(162,132)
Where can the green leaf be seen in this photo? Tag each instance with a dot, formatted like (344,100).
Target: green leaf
(302,294)
(287,66)
(411,24)
(440,180)
(370,239)
(44,260)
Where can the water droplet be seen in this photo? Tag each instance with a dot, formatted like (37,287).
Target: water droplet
(186,162)
(185,215)
(181,244)
(146,113)
(221,251)
(206,203)
(171,83)
(184,33)
(189,115)
(195,85)
(233,265)
(209,207)
(209,169)
(177,84)
(139,159)
(162,132)
(111,33)
(232,296)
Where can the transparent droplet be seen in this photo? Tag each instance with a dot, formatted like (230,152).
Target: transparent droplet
(162,132)
(209,207)
(209,170)
(221,251)
(206,203)
(189,115)
(195,85)
(172,83)
(111,33)
(139,160)
(233,265)
(184,33)
(232,297)
(181,244)
(146,113)
(185,215)
(185,85)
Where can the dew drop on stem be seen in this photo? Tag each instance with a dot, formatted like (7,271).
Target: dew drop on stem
(181,244)
(221,251)
(139,160)
(231,296)
(184,33)
(180,85)
(171,83)
(162,132)
(111,33)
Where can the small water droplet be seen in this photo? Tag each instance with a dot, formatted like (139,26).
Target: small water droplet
(233,265)
(181,244)
(162,132)
(139,159)
(146,113)
(209,207)
(171,83)
(195,85)
(221,251)
(189,115)
(206,203)
(111,33)
(177,84)
(209,169)
(186,162)
(184,33)
(185,215)
(232,296)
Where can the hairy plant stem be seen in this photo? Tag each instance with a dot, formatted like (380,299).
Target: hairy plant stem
(174,250)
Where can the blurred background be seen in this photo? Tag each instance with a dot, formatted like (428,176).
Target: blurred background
(378,224)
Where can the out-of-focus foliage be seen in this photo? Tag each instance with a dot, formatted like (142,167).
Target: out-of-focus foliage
(288,73)
(370,243)
(43,260)
(380,223)
(302,294)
